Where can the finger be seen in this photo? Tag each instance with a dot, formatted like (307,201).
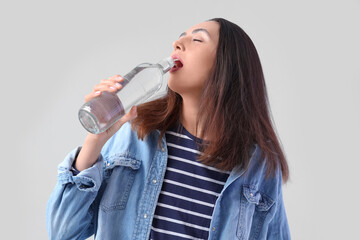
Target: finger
(113,79)
(117,78)
(110,83)
(107,87)
(92,95)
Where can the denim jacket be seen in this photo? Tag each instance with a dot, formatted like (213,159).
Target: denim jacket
(117,196)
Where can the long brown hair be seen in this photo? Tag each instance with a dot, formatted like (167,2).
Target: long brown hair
(234,109)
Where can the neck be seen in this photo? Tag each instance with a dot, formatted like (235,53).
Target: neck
(190,109)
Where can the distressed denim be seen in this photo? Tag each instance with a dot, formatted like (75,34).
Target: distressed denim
(117,196)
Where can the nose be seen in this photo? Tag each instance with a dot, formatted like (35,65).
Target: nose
(179,45)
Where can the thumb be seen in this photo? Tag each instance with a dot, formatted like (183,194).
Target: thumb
(127,117)
(131,114)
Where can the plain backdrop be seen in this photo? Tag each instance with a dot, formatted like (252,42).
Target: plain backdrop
(52,53)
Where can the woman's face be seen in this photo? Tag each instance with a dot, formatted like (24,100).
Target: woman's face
(196,50)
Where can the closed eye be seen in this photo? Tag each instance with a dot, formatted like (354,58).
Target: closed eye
(197,40)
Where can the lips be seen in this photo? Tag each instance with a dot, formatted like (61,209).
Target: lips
(178,63)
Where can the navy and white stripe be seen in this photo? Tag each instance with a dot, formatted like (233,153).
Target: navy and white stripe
(189,191)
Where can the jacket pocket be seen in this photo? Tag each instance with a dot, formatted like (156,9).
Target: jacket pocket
(254,207)
(119,185)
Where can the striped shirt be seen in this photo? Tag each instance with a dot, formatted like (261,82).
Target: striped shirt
(189,191)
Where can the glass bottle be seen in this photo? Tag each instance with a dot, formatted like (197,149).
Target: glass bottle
(101,112)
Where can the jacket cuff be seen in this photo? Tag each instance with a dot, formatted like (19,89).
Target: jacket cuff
(87,180)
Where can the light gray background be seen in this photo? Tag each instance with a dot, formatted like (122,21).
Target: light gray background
(52,53)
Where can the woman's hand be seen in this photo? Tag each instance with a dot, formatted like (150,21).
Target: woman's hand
(94,142)
(112,85)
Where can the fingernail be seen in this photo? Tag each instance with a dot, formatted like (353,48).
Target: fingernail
(118,85)
(119,78)
(97,92)
(111,87)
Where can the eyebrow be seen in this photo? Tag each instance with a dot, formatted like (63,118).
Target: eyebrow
(195,31)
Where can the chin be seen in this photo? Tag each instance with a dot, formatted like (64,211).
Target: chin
(175,87)
(184,86)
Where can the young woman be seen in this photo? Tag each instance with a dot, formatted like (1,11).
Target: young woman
(203,162)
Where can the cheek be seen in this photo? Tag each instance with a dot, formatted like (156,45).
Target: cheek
(202,72)
(204,67)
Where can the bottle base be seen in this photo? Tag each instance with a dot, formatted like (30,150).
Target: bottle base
(88,121)
(100,113)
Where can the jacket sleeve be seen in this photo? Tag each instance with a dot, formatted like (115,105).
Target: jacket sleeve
(278,227)
(70,212)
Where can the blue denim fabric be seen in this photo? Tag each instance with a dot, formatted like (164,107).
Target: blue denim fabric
(117,196)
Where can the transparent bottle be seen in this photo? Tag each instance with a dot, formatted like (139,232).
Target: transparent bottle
(101,112)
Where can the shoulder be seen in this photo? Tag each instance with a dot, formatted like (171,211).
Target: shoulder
(126,141)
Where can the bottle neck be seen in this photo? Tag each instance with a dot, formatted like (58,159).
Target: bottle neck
(166,64)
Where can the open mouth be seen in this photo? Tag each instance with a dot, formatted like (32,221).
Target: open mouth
(177,66)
